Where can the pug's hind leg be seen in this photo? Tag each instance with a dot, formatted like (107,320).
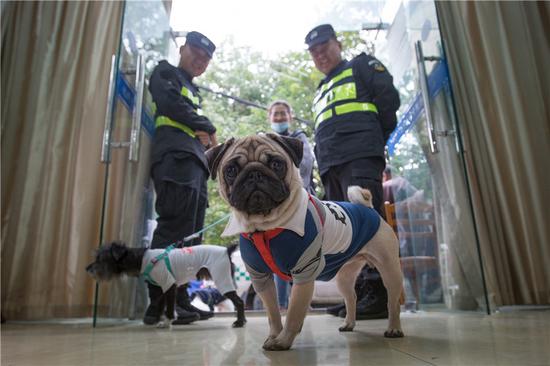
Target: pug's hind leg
(393,281)
(345,280)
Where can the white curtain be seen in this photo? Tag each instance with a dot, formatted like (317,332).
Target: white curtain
(498,56)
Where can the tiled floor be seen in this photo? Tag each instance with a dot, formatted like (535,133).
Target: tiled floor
(432,338)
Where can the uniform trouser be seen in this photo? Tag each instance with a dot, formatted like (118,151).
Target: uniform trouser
(366,173)
(180,185)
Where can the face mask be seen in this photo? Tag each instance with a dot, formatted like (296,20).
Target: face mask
(279,127)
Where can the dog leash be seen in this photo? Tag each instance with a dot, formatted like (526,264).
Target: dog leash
(198,233)
(195,235)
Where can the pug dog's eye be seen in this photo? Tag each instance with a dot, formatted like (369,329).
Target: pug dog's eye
(231,171)
(278,166)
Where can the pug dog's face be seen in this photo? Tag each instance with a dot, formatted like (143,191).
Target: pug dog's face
(255,172)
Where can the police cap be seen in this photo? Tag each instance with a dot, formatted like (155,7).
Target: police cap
(320,34)
(200,40)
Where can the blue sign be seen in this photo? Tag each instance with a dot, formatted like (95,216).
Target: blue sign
(437,80)
(127,95)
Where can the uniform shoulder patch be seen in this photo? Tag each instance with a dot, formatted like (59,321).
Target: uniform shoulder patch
(377,65)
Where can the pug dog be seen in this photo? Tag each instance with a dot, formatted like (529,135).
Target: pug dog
(286,231)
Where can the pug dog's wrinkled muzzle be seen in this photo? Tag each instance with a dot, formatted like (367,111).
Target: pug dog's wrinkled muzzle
(257,189)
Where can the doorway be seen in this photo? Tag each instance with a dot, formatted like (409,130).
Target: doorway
(440,252)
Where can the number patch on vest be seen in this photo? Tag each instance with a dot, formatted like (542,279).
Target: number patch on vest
(337,211)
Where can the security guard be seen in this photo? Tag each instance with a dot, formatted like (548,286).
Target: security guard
(355,107)
(178,166)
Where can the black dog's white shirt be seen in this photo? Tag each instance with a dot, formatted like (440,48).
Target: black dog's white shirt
(186,262)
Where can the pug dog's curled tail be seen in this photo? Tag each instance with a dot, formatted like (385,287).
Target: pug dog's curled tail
(360,196)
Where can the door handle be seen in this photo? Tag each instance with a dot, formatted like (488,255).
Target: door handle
(423,78)
(133,154)
(105,146)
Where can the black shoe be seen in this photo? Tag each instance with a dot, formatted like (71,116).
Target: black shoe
(151,320)
(183,303)
(203,315)
(335,310)
(365,315)
(374,305)
(185,317)
(152,315)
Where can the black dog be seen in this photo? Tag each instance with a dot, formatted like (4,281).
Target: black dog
(171,268)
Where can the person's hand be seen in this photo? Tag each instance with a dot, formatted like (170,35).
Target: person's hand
(203,137)
(213,140)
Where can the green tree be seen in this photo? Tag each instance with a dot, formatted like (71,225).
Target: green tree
(248,75)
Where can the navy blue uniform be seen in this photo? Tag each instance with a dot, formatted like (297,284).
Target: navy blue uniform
(355,110)
(179,168)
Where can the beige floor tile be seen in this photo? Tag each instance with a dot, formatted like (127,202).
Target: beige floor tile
(432,338)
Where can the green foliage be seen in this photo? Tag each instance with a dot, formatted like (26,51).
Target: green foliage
(245,74)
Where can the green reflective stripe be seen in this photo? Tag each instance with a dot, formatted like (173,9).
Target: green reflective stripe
(346,108)
(337,94)
(344,91)
(189,94)
(165,121)
(323,116)
(355,107)
(337,78)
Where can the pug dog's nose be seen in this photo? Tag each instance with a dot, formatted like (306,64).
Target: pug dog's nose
(255,176)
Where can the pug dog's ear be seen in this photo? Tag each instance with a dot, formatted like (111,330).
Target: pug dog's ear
(293,146)
(215,154)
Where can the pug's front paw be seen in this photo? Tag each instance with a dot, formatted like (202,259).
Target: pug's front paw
(277,344)
(393,333)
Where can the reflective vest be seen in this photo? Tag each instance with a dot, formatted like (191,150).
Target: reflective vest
(338,96)
(195,102)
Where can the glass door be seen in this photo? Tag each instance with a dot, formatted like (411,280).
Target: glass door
(428,185)
(127,207)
